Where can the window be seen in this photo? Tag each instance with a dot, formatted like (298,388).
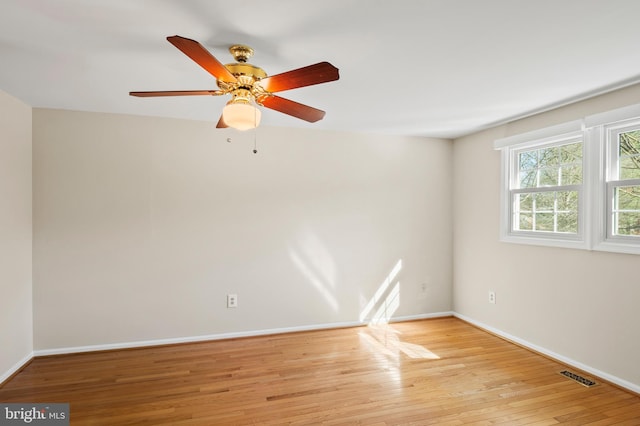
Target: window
(623,182)
(574,185)
(546,189)
(543,196)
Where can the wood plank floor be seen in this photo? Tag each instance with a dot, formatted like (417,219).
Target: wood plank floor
(430,372)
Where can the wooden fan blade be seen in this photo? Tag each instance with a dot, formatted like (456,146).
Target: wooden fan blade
(177,93)
(202,57)
(221,124)
(322,72)
(292,108)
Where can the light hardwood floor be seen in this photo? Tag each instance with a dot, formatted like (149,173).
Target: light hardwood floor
(430,372)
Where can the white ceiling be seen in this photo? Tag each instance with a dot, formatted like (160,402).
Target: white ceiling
(440,68)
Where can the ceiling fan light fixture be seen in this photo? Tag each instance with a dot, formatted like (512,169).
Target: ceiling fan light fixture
(241,115)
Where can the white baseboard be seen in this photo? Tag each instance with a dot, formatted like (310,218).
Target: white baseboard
(19,365)
(571,362)
(422,316)
(221,336)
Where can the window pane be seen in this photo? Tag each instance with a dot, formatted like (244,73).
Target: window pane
(528,179)
(545,201)
(528,160)
(526,222)
(627,210)
(525,202)
(628,223)
(629,143)
(571,174)
(627,198)
(549,177)
(629,154)
(568,222)
(549,156)
(544,222)
(630,167)
(567,201)
(571,153)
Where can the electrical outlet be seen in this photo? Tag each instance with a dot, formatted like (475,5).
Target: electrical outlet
(492,297)
(232,300)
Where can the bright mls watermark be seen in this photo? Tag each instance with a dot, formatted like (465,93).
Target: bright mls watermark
(34,414)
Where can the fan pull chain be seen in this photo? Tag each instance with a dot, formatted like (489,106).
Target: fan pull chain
(255,130)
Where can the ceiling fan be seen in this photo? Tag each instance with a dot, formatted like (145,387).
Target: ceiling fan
(249,85)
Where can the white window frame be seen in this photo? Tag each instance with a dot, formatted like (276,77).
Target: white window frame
(596,196)
(543,138)
(605,136)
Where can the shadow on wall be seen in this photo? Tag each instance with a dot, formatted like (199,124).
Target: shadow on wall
(318,266)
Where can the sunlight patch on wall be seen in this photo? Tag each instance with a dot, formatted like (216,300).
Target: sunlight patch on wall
(388,307)
(384,304)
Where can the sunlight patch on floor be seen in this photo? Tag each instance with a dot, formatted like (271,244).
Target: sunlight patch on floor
(386,340)
(381,336)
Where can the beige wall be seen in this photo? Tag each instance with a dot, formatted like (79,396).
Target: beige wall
(143,225)
(578,304)
(16,336)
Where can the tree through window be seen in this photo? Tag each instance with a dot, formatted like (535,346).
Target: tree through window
(546,187)
(624,182)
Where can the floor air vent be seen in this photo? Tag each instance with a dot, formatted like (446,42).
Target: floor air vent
(582,380)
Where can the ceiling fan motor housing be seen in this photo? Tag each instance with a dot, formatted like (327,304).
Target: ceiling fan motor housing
(247,76)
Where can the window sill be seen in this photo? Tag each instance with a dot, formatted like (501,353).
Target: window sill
(606,246)
(617,247)
(545,241)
